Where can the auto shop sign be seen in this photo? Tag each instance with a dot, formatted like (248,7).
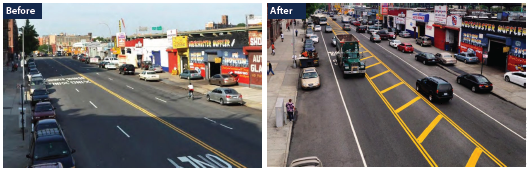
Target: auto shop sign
(121,39)
(399,20)
(454,20)
(440,13)
(232,40)
(509,29)
(421,17)
(255,38)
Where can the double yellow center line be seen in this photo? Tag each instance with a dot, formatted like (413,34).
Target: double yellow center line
(194,139)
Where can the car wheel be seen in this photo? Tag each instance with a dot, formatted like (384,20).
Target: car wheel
(430,98)
(474,89)
(208,98)
(421,44)
(523,85)
(424,62)
(416,58)
(507,79)
(221,102)
(458,81)
(221,84)
(465,61)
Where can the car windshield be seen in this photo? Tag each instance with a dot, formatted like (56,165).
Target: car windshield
(309,75)
(318,26)
(471,55)
(314,37)
(404,32)
(309,41)
(39,92)
(43,107)
(309,31)
(51,150)
(426,38)
(447,56)
(409,46)
(33,72)
(390,33)
(193,71)
(150,73)
(444,87)
(37,82)
(309,45)
(396,41)
(230,91)
(481,79)
(42,126)
(328,27)
(376,36)
(429,55)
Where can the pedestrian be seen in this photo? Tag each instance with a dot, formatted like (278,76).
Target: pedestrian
(269,68)
(290,109)
(16,66)
(296,32)
(294,59)
(272,47)
(288,28)
(282,36)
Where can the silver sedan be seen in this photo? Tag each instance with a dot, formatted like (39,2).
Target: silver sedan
(225,96)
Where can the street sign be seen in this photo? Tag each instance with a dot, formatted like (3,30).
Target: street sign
(485,56)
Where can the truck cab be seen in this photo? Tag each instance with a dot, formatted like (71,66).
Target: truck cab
(348,55)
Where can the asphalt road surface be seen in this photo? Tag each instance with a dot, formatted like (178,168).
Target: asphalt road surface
(115,120)
(380,120)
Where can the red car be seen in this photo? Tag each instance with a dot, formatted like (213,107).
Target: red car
(356,23)
(43,110)
(405,47)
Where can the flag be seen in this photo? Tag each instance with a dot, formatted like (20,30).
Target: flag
(122,20)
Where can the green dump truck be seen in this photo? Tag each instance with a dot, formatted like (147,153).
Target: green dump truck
(348,55)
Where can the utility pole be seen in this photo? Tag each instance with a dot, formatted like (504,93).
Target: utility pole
(22,85)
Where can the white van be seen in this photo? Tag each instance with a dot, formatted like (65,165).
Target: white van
(345,19)
(111,60)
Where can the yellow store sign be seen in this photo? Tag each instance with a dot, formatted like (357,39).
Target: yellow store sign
(179,42)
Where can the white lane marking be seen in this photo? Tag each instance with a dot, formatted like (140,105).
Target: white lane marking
(226,126)
(123,132)
(160,100)
(110,78)
(458,96)
(77,89)
(129,87)
(345,107)
(173,163)
(210,119)
(93,104)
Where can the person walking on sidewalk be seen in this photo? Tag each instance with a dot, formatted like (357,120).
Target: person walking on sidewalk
(296,32)
(269,68)
(282,36)
(290,109)
(294,60)
(272,47)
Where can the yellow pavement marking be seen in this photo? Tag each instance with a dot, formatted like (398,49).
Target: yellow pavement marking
(407,104)
(428,129)
(474,158)
(391,87)
(373,77)
(407,130)
(194,139)
(373,65)
(366,58)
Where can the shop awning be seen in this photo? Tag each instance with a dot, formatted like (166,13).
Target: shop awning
(507,40)
(446,27)
(251,48)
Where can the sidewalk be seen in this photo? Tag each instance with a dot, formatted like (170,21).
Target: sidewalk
(505,90)
(281,85)
(15,149)
(252,97)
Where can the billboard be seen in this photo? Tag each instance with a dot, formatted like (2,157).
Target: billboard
(255,38)
(384,9)
(440,13)
(170,34)
(121,39)
(254,20)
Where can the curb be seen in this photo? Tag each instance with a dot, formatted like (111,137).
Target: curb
(289,137)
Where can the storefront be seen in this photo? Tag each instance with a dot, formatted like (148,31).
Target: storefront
(254,53)
(178,55)
(212,55)
(504,42)
(400,23)
(421,21)
(134,53)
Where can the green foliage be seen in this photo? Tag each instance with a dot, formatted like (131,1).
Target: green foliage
(100,39)
(31,42)
(311,8)
(44,48)
(241,25)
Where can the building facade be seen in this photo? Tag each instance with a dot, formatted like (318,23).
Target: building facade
(10,39)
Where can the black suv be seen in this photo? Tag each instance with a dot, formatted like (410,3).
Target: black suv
(48,145)
(435,88)
(127,69)
(39,95)
(361,29)
(426,58)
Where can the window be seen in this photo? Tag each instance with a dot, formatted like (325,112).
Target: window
(43,107)
(481,79)
(230,91)
(444,87)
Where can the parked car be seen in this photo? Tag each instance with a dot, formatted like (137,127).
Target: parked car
(467,57)
(43,110)
(314,38)
(346,27)
(334,41)
(32,74)
(309,47)
(394,30)
(111,60)
(391,35)
(405,47)
(435,88)
(110,66)
(193,74)
(225,96)
(394,43)
(127,69)
(157,69)
(317,28)
(87,60)
(426,58)
(375,38)
(148,75)
(309,33)
(361,29)
(383,34)
(356,23)
(37,83)
(50,146)
(517,77)
(39,95)
(446,58)
(328,29)
(309,78)
(45,124)
(475,82)
(74,57)
(223,79)
(405,34)
(102,64)
(82,58)
(424,40)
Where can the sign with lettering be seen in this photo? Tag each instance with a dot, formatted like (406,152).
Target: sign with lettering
(421,17)
(196,57)
(170,34)
(516,63)
(23,10)
(255,62)
(121,39)
(399,20)
(179,42)
(286,11)
(440,13)
(504,28)
(454,20)
(242,72)
(255,38)
(231,40)
(471,38)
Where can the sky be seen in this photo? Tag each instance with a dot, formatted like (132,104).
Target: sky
(78,18)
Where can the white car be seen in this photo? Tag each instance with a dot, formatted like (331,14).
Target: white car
(318,28)
(394,43)
(374,32)
(515,77)
(111,60)
(314,38)
(29,77)
(148,75)
(111,66)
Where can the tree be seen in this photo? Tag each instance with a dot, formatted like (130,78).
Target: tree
(311,8)
(30,38)
(241,25)
(99,39)
(44,48)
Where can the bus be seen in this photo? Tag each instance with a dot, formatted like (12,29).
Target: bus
(323,20)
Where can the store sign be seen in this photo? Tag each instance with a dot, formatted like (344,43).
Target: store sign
(399,20)
(197,57)
(429,27)
(179,42)
(454,20)
(255,62)
(471,38)
(509,29)
(421,17)
(170,34)
(440,13)
(235,60)
(518,49)
(255,38)
(121,39)
(232,40)
(384,9)
(464,47)
(515,63)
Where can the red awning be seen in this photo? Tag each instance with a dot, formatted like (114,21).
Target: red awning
(447,27)
(452,27)
(172,50)
(251,48)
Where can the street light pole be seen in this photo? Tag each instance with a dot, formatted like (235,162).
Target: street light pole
(111,40)
(22,94)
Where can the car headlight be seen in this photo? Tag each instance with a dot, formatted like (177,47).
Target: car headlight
(362,67)
(346,67)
